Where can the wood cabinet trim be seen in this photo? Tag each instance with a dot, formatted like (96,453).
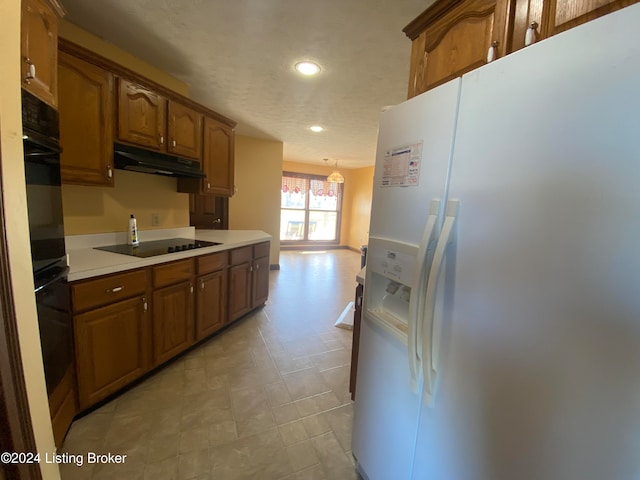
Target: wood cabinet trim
(428,16)
(57,8)
(121,71)
(432,43)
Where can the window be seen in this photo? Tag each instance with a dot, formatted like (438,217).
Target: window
(309,209)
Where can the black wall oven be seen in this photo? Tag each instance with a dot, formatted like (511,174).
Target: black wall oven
(46,228)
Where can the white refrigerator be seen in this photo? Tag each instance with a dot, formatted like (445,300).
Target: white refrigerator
(501,326)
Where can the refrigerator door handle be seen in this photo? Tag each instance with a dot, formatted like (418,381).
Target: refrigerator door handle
(416,301)
(431,329)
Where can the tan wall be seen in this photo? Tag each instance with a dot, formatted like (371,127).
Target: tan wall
(356,202)
(105,209)
(98,210)
(258,175)
(17,230)
(89,41)
(362,182)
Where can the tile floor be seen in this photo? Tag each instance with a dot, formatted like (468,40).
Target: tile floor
(265,399)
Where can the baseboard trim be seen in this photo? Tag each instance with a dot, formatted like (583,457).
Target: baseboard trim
(313,247)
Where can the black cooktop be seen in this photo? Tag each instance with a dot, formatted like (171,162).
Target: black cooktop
(158,247)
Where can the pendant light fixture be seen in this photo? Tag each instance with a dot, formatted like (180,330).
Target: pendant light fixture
(336,176)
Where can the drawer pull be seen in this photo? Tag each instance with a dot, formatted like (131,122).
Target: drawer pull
(144,304)
(114,290)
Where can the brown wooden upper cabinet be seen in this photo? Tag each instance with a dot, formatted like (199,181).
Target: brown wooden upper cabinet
(142,116)
(218,158)
(217,162)
(39,48)
(86,126)
(184,131)
(149,120)
(453,37)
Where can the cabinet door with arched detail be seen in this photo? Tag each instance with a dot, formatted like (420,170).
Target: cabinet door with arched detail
(454,37)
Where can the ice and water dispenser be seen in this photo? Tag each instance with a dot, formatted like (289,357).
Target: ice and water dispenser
(390,276)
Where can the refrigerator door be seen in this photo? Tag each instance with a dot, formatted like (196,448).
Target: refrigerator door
(386,410)
(539,372)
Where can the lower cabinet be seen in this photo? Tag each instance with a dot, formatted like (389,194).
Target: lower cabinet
(127,323)
(212,303)
(260,281)
(248,279)
(239,290)
(211,297)
(173,309)
(112,348)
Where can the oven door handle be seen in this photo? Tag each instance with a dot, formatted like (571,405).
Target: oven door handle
(44,284)
(41,141)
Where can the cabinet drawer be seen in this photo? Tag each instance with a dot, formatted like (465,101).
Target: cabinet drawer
(173,272)
(261,250)
(241,255)
(211,263)
(104,290)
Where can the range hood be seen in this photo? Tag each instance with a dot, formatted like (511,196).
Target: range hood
(136,159)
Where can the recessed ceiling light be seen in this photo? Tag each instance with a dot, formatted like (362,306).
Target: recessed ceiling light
(316,128)
(307,68)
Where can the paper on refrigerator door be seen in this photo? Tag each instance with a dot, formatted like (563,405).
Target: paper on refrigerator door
(401,166)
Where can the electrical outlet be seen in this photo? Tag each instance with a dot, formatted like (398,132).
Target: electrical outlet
(155,219)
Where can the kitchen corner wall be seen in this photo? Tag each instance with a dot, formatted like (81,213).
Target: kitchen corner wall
(101,209)
(258,177)
(16,226)
(356,202)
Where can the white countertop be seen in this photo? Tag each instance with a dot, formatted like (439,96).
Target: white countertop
(86,262)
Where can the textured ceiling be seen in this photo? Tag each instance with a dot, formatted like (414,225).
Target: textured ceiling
(237,57)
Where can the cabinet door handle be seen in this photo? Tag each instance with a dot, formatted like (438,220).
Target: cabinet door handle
(251,268)
(109,171)
(114,290)
(201,285)
(531,34)
(190,288)
(145,306)
(257,266)
(217,220)
(208,186)
(493,51)
(161,139)
(173,142)
(31,74)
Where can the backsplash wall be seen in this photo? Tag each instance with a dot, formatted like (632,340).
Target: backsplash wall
(105,209)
